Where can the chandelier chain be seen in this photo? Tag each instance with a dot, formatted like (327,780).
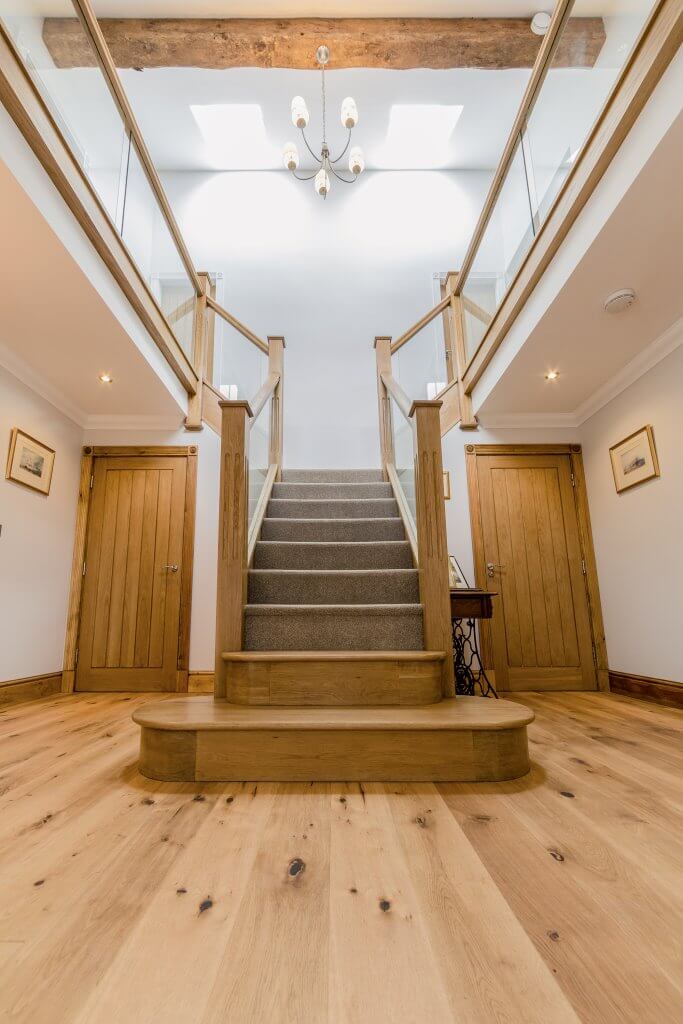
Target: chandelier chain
(324,115)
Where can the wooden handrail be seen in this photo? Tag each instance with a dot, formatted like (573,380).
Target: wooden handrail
(92,29)
(234,322)
(476,311)
(397,393)
(263,394)
(536,79)
(416,328)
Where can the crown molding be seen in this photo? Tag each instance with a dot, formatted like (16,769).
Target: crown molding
(25,373)
(658,350)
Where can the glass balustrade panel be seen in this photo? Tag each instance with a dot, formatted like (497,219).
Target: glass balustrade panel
(237,368)
(259,453)
(582,74)
(404,457)
(504,244)
(151,244)
(420,365)
(62,63)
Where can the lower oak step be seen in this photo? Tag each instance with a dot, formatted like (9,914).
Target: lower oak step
(334,678)
(466,739)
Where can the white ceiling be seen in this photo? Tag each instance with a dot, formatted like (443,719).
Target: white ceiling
(57,333)
(162,99)
(639,247)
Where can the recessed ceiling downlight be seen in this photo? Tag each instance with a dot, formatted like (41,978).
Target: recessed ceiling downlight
(106,378)
(540,23)
(552,375)
(620,300)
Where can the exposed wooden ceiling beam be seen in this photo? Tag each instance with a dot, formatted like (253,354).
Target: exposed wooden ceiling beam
(398,43)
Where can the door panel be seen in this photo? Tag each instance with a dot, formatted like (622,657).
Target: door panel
(130,614)
(541,630)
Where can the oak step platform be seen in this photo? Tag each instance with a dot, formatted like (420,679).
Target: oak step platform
(465,739)
(334,678)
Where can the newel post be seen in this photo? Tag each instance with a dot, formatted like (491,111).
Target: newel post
(432,543)
(276,364)
(386,434)
(233,528)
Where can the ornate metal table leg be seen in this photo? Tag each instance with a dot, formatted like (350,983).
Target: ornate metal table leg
(469,671)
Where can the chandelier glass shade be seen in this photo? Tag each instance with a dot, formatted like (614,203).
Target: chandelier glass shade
(327,168)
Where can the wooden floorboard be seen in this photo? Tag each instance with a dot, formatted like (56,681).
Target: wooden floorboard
(554,898)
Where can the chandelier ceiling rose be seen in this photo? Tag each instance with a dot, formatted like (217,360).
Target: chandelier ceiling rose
(322,177)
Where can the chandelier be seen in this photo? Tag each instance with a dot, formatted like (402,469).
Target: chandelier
(349,118)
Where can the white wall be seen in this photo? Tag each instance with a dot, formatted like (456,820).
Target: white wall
(329,275)
(637,534)
(36,542)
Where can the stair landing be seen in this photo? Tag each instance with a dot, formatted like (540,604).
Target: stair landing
(465,739)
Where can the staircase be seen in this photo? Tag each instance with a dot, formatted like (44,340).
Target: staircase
(333,569)
(333,657)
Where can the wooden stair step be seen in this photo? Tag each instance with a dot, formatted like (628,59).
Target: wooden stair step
(334,678)
(466,739)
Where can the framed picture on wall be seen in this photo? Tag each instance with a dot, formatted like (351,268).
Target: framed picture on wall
(634,459)
(29,462)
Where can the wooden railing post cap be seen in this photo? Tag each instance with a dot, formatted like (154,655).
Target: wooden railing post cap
(238,404)
(276,337)
(420,403)
(381,337)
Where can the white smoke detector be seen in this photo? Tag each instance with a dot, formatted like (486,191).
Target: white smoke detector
(540,23)
(617,302)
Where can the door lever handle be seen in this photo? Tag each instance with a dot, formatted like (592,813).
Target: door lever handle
(172,568)
(491,568)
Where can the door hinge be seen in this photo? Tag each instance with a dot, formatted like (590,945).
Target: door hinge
(92,480)
(583,566)
(573,480)
(76,657)
(83,573)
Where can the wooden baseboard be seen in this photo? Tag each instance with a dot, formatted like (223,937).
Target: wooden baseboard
(16,691)
(663,691)
(200,682)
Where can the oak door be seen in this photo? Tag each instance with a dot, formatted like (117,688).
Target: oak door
(131,603)
(541,629)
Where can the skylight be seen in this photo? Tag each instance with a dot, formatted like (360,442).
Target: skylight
(418,136)
(235,136)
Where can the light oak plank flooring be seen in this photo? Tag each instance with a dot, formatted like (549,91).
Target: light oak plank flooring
(554,899)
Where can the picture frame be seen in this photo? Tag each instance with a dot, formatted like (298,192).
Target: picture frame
(456,577)
(634,460)
(29,462)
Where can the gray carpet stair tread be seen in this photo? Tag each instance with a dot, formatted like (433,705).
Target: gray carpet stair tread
(376,554)
(331,475)
(333,627)
(333,586)
(332,490)
(331,508)
(377,528)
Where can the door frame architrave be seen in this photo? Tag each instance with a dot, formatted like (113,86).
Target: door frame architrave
(88,455)
(472,452)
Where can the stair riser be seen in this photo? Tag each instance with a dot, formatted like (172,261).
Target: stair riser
(306,476)
(341,530)
(306,632)
(387,555)
(334,755)
(323,683)
(372,587)
(326,491)
(290,508)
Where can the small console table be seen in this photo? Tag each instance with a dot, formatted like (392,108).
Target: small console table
(468,605)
